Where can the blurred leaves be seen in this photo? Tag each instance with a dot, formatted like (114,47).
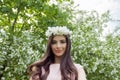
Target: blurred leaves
(22,39)
(99,58)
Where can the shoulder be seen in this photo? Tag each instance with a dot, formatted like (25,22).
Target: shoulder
(81,72)
(34,66)
(78,66)
(34,75)
(33,71)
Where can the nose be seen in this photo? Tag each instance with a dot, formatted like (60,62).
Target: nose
(58,45)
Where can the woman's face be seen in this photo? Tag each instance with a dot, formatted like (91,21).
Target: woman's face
(58,45)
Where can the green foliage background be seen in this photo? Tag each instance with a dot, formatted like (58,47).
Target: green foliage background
(22,40)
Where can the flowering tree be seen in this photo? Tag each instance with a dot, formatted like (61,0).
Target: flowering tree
(22,38)
(22,29)
(99,58)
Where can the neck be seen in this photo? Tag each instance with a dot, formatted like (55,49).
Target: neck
(57,59)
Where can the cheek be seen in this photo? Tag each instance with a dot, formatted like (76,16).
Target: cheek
(65,46)
(52,47)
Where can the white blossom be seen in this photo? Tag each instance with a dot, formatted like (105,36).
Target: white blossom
(58,30)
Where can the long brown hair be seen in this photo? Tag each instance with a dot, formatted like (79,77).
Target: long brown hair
(67,67)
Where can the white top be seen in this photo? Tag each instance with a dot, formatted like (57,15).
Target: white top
(55,73)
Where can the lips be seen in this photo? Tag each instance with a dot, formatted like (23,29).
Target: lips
(58,51)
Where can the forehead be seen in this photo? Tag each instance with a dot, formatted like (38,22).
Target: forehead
(59,37)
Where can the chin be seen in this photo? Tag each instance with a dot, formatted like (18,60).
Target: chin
(58,55)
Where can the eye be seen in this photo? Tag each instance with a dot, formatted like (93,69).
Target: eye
(54,42)
(63,41)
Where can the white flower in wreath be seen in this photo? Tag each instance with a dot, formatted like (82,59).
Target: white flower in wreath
(58,30)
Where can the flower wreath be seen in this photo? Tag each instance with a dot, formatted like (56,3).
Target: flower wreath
(58,30)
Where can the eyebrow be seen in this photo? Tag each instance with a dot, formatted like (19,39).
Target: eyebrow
(59,40)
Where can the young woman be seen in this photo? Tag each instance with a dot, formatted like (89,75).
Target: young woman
(57,63)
